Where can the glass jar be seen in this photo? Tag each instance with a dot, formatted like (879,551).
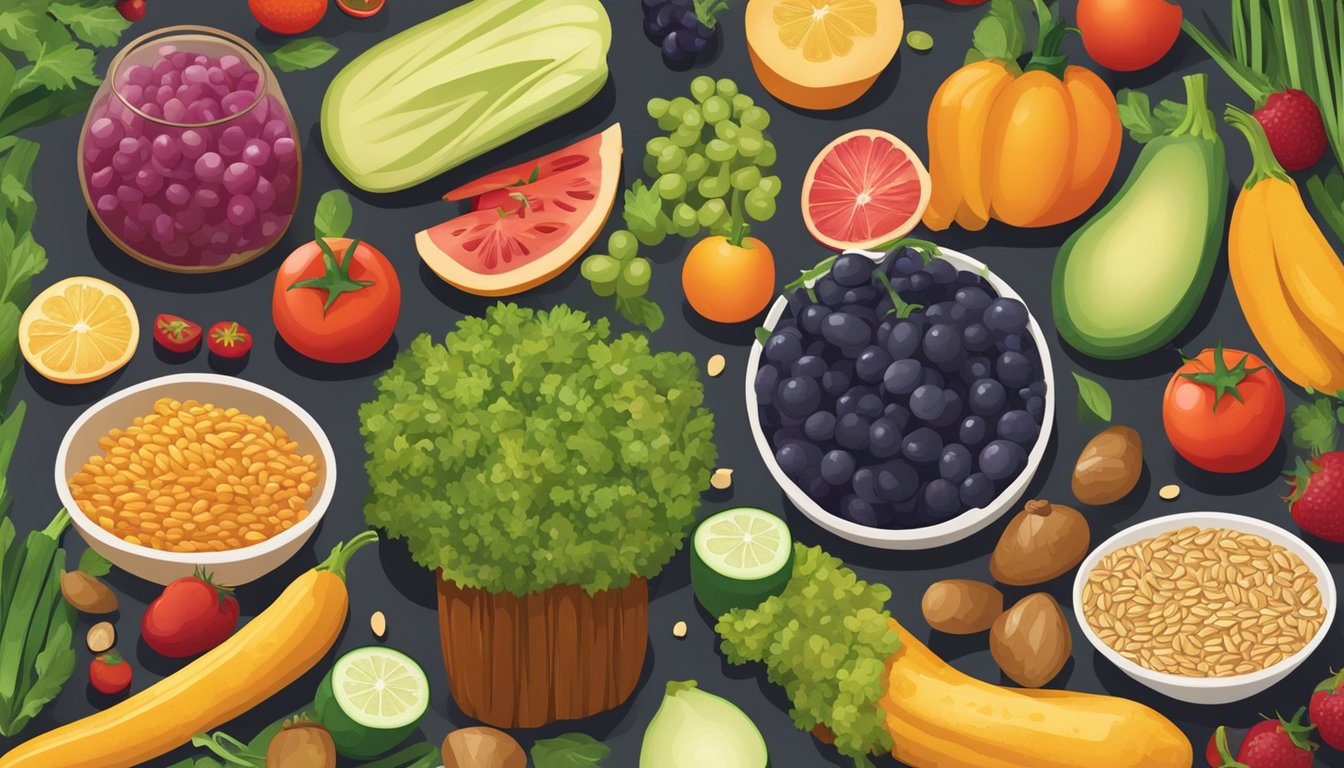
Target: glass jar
(189,157)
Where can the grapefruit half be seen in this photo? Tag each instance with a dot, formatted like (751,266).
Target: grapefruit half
(866,187)
(529,222)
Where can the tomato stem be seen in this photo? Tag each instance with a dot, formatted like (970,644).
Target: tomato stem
(1224,380)
(335,279)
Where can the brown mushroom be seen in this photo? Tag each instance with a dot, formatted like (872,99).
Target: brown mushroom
(1041,542)
(1108,467)
(1031,641)
(961,606)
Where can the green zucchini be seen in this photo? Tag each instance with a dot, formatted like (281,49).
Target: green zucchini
(447,90)
(1129,280)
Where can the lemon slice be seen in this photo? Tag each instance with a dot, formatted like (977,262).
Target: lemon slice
(79,330)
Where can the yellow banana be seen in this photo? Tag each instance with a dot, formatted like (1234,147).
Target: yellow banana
(1308,265)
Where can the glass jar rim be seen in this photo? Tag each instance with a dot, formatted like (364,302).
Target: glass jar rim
(166,34)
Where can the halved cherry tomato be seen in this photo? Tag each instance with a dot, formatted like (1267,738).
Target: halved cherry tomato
(110,673)
(361,9)
(1223,411)
(176,334)
(1128,35)
(336,300)
(229,339)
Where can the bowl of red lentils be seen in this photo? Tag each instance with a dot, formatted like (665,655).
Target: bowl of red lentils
(196,471)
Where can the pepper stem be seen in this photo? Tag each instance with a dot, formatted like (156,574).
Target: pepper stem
(1263,164)
(341,554)
(1199,120)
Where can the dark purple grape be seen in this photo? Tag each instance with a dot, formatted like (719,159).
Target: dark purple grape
(857,510)
(970,278)
(942,500)
(871,363)
(952,408)
(864,484)
(884,438)
(672,46)
(847,403)
(1001,459)
(864,294)
(987,397)
(851,269)
(812,484)
(837,467)
(1006,315)
(942,343)
(838,379)
(820,426)
(1037,388)
(1012,341)
(865,312)
(1019,427)
(958,315)
(976,491)
(896,481)
(898,414)
(798,397)
(926,402)
(904,340)
(851,431)
(942,272)
(783,348)
(883,333)
(922,446)
(869,406)
(792,459)
(1013,369)
(976,368)
(810,366)
(1036,407)
(846,331)
(767,381)
(919,282)
(828,291)
(974,431)
(934,377)
(1025,393)
(977,338)
(956,463)
(811,316)
(899,283)
(902,377)
(907,265)
(785,435)
(973,298)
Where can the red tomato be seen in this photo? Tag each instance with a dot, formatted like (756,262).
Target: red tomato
(334,307)
(229,339)
(361,9)
(1127,35)
(192,616)
(176,334)
(110,673)
(1223,411)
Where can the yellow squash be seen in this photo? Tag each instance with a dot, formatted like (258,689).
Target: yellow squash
(941,718)
(1287,279)
(958,116)
(270,652)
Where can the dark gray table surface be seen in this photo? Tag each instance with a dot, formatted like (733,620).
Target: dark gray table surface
(387,580)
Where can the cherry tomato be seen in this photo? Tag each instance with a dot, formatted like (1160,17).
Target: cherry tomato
(228,339)
(192,616)
(361,9)
(176,334)
(1223,411)
(1127,35)
(131,10)
(729,283)
(110,673)
(335,307)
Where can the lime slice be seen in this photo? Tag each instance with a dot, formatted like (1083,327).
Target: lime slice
(371,700)
(740,557)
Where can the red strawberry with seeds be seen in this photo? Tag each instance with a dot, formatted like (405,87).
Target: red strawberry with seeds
(1317,498)
(1327,710)
(1218,744)
(1273,744)
(1293,125)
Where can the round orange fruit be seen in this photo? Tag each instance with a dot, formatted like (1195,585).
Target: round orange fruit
(729,283)
(288,17)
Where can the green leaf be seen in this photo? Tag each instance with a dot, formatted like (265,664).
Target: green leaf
(58,69)
(1315,426)
(94,564)
(37,106)
(1000,34)
(1328,196)
(55,664)
(641,311)
(762,335)
(99,25)
(301,54)
(26,259)
(642,208)
(1143,122)
(333,215)
(1094,403)
(572,750)
(19,29)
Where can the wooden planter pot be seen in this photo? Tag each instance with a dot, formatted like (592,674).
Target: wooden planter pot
(561,654)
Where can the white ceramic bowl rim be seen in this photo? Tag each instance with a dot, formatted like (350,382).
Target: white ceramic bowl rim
(316,507)
(948,531)
(1156,526)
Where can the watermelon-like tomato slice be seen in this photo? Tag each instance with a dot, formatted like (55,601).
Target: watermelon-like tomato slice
(529,222)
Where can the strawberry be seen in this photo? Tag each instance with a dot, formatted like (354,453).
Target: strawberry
(1272,744)
(1293,125)
(1218,745)
(1327,710)
(1317,497)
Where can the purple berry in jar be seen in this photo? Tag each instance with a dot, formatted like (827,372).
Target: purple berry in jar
(192,143)
(285,149)
(204,110)
(175,249)
(215,76)
(165,149)
(162,229)
(283,182)
(256,152)
(189,93)
(133,94)
(129,196)
(274,129)
(174,111)
(240,178)
(195,73)
(153,110)
(272,225)
(148,181)
(233,65)
(264,194)
(132,230)
(209,167)
(165,94)
(139,75)
(207,198)
(236,101)
(148,212)
(189,220)
(241,210)
(161,67)
(102,178)
(232,140)
(107,204)
(105,132)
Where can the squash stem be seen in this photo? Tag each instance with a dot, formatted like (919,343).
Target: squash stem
(1263,164)
(1046,57)
(1199,120)
(340,555)
(677,686)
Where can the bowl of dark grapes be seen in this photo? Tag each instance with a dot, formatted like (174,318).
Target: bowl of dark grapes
(901,399)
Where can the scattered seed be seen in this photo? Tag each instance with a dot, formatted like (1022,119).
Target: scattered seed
(1169,492)
(102,636)
(679,629)
(378,623)
(715,366)
(722,479)
(919,40)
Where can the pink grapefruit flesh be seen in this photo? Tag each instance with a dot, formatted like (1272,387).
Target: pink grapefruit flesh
(865,188)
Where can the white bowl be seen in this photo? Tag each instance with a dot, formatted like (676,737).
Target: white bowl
(928,537)
(1208,690)
(237,566)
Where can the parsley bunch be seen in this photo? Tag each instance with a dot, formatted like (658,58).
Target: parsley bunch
(530,450)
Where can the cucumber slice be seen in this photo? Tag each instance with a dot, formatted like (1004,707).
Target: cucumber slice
(371,700)
(739,558)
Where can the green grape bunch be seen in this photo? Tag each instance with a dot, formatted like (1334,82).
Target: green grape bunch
(713,153)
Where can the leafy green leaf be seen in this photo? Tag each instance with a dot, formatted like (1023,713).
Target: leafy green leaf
(572,750)
(55,664)
(333,215)
(26,259)
(99,25)
(38,106)
(19,27)
(1000,34)
(301,54)
(58,69)
(1094,403)
(1143,122)
(1315,426)
(94,564)
(1328,196)
(642,208)
(762,335)
(641,310)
